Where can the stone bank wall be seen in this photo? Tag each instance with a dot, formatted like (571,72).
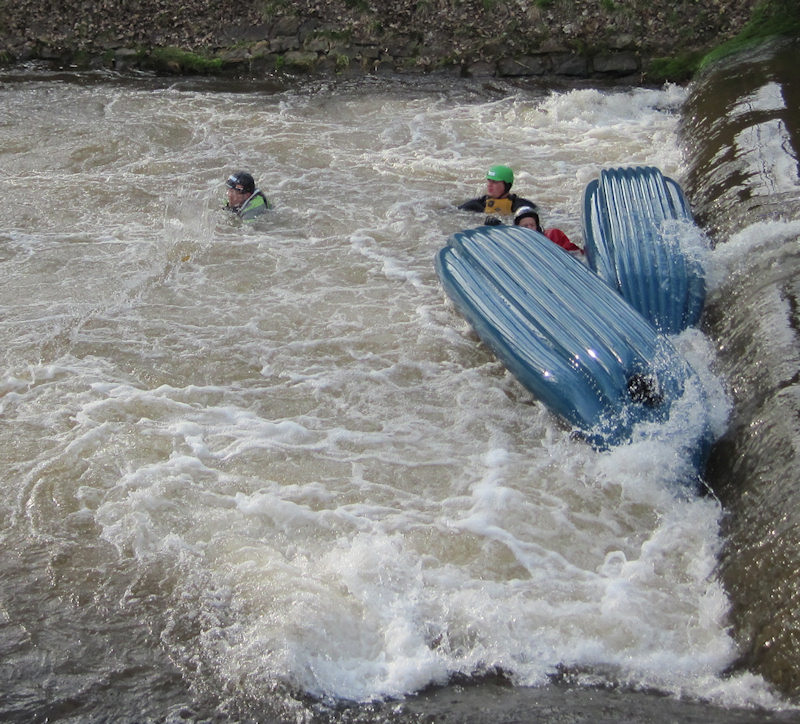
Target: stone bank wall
(471,37)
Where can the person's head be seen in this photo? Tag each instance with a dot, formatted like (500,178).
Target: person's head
(499,180)
(527,218)
(240,187)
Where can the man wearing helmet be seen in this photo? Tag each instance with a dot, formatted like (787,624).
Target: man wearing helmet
(244,199)
(497,200)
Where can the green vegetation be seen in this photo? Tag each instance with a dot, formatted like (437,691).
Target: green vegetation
(339,35)
(183,61)
(678,69)
(770,18)
(271,8)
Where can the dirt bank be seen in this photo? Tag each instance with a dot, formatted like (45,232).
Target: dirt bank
(473,37)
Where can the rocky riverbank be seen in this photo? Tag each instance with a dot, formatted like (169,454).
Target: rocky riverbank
(575,38)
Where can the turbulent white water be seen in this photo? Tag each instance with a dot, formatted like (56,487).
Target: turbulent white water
(277,448)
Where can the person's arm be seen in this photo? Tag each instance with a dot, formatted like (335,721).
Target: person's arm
(517,203)
(559,237)
(474,204)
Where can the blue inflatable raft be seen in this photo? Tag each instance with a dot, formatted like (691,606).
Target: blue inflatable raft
(562,331)
(633,219)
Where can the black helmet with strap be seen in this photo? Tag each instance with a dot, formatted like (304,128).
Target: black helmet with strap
(241,181)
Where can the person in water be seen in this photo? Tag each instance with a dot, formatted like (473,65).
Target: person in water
(527,217)
(244,199)
(498,199)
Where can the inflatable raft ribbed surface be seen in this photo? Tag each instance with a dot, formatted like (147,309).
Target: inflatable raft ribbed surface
(633,219)
(564,333)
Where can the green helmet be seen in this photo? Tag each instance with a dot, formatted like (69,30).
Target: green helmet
(500,173)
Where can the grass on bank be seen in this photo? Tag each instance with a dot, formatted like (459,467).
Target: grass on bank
(769,19)
(175,60)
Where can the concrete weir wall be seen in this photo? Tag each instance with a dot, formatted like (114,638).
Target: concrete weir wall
(571,38)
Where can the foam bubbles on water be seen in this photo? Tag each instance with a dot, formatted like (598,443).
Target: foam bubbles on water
(768,241)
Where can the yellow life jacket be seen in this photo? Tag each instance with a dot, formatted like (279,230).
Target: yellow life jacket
(497,206)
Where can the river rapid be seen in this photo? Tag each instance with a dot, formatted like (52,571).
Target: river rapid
(266,473)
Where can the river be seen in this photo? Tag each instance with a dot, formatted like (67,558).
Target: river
(266,473)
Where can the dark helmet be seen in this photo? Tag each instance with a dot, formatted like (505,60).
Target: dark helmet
(526,211)
(241,181)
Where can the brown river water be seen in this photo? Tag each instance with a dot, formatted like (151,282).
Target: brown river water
(266,473)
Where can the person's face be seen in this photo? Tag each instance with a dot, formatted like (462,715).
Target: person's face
(236,197)
(495,189)
(528,222)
